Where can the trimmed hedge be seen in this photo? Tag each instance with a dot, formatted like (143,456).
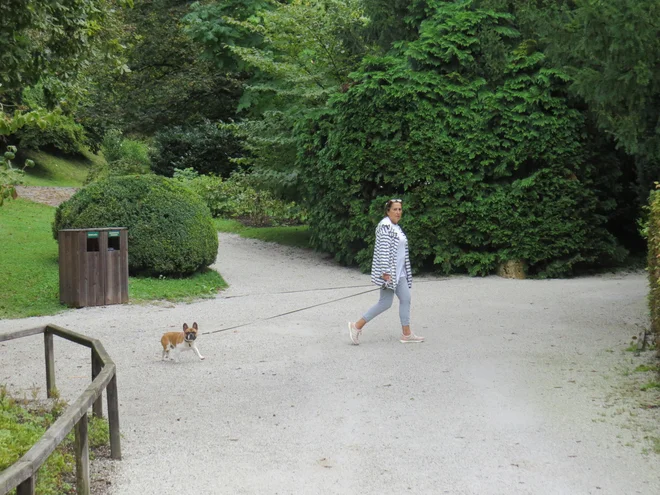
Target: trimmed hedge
(654,264)
(170,230)
(477,137)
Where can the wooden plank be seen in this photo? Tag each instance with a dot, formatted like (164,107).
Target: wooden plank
(81,271)
(97,366)
(102,273)
(50,364)
(45,446)
(90,279)
(113,279)
(113,418)
(14,475)
(82,457)
(27,487)
(63,266)
(21,474)
(21,333)
(102,353)
(67,334)
(123,266)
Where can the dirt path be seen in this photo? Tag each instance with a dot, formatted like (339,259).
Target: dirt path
(52,196)
(516,391)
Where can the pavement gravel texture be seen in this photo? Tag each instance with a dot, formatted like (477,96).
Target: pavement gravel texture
(510,394)
(52,196)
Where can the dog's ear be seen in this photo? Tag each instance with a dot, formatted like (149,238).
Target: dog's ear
(195,326)
(185,327)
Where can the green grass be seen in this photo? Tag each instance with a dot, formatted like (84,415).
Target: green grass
(29,276)
(29,272)
(645,368)
(652,385)
(21,428)
(204,284)
(289,236)
(57,171)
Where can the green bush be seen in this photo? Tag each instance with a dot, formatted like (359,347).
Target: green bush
(236,197)
(170,230)
(123,157)
(62,133)
(652,229)
(477,138)
(207,148)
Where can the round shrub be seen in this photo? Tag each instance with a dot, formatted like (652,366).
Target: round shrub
(170,230)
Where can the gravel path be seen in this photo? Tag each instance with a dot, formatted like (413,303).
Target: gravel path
(514,391)
(47,195)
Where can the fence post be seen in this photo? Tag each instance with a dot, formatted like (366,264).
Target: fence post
(113,418)
(82,457)
(50,363)
(97,366)
(27,487)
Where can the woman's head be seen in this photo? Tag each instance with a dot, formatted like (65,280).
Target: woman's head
(393,209)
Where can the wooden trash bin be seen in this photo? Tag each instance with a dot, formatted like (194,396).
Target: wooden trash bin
(93,266)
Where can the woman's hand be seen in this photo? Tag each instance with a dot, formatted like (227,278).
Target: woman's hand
(386,277)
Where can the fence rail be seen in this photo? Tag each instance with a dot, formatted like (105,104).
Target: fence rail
(22,474)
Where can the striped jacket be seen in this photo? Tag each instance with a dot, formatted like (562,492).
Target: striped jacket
(385,255)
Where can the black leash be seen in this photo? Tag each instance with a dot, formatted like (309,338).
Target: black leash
(294,311)
(308,307)
(300,290)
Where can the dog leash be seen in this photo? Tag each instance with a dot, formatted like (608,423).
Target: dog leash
(308,307)
(291,312)
(301,290)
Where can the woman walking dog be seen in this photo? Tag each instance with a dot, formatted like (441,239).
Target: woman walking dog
(390,269)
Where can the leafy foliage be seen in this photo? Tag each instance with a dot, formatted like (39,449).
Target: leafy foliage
(298,53)
(494,163)
(65,44)
(123,156)
(170,231)
(239,197)
(168,81)
(208,148)
(611,52)
(653,238)
(10,176)
(63,133)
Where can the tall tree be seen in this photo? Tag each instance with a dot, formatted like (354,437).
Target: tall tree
(298,53)
(489,157)
(170,81)
(50,41)
(611,52)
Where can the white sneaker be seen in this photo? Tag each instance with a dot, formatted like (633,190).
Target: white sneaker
(354,333)
(412,338)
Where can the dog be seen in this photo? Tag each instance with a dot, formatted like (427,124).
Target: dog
(180,341)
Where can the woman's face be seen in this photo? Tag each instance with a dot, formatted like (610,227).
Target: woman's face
(394,213)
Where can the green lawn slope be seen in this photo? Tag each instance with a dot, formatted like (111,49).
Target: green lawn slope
(58,170)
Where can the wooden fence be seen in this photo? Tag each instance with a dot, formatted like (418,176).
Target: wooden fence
(22,474)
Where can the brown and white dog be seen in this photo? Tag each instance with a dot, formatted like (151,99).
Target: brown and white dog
(180,341)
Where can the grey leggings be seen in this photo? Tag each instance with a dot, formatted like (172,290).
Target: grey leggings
(385,302)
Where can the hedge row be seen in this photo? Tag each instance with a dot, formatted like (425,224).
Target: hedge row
(654,265)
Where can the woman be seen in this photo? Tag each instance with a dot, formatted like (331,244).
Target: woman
(390,269)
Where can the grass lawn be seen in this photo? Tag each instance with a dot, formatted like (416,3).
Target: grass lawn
(29,276)
(29,272)
(290,236)
(52,170)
